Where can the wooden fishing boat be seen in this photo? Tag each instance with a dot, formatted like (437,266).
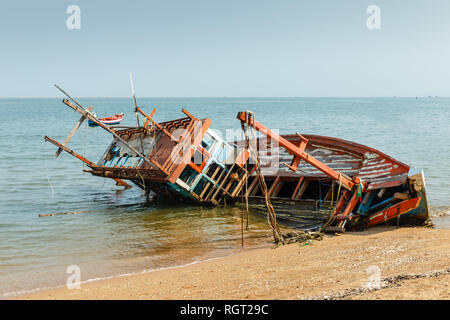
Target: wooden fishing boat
(337,184)
(115,119)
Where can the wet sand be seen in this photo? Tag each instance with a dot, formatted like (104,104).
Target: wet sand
(411,263)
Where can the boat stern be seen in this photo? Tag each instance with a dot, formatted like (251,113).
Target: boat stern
(417,182)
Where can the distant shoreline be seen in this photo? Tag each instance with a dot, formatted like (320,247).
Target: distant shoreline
(413,263)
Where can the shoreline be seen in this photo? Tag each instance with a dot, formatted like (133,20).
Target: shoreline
(26,292)
(412,263)
(18,295)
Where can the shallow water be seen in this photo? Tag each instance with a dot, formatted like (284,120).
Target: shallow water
(119,232)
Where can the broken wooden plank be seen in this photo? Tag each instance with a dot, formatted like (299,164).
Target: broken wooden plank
(79,123)
(62,213)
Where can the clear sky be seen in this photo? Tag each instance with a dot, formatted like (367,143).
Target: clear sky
(231,48)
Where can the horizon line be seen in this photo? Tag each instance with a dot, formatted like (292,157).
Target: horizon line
(227,97)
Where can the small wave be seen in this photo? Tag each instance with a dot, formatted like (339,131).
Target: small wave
(440,211)
(23,292)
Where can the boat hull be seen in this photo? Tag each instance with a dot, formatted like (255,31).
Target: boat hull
(116,119)
(93,124)
(387,182)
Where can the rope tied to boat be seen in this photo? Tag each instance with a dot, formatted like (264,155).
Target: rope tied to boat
(271,215)
(332,211)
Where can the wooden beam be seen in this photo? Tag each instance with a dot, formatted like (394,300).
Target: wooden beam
(273,186)
(252,185)
(301,144)
(91,164)
(58,152)
(220,186)
(328,196)
(341,202)
(240,184)
(300,181)
(188,114)
(296,151)
(302,189)
(157,125)
(394,211)
(350,206)
(207,184)
(151,116)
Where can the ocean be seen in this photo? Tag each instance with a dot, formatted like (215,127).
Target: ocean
(120,232)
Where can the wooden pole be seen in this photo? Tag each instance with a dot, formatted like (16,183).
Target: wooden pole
(135,109)
(156,124)
(88,162)
(242,228)
(58,152)
(90,116)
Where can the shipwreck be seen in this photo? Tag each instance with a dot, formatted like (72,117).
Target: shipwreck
(335,184)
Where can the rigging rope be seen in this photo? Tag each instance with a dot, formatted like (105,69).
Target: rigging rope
(332,212)
(142,147)
(279,238)
(85,142)
(271,215)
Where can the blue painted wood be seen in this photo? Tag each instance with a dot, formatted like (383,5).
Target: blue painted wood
(385,202)
(422,209)
(111,161)
(126,160)
(367,201)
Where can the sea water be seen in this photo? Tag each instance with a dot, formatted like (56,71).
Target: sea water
(119,232)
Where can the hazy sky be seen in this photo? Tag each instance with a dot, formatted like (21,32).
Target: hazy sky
(225,48)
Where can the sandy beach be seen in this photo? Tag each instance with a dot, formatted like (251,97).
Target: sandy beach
(413,263)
